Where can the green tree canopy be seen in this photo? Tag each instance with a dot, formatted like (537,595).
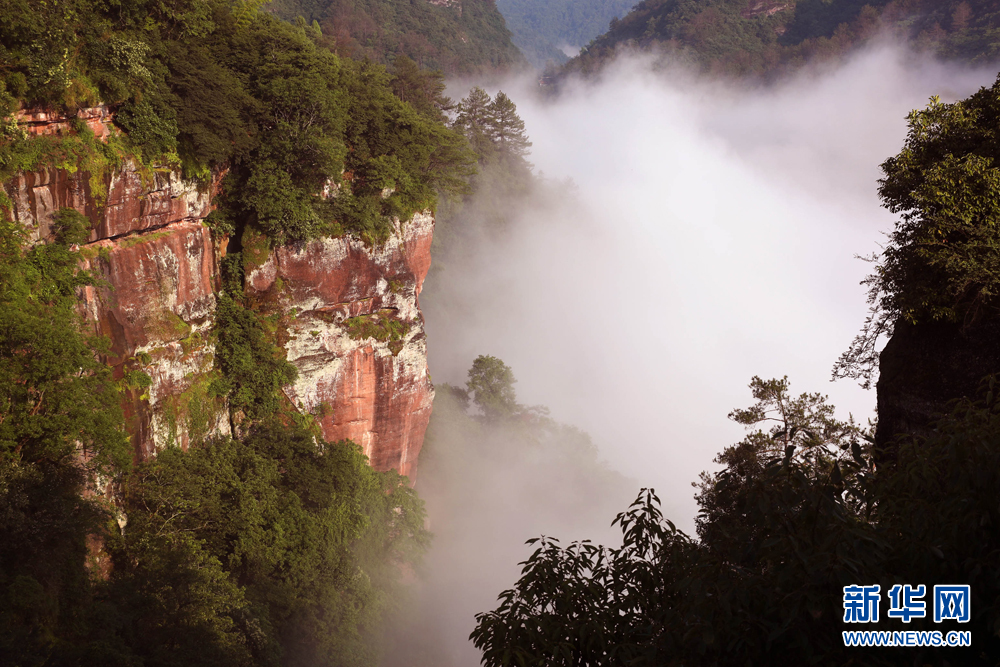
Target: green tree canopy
(491,383)
(942,260)
(507,129)
(474,121)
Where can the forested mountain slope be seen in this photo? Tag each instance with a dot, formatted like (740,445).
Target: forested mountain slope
(213,232)
(756,37)
(543,27)
(454,36)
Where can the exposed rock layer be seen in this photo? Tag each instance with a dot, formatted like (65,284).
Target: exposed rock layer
(352,324)
(357,337)
(157,272)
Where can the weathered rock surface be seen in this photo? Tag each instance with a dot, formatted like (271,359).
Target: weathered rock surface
(39,122)
(136,200)
(157,270)
(924,367)
(156,297)
(351,320)
(356,335)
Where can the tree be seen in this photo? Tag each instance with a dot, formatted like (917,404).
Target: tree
(493,128)
(474,121)
(802,429)
(942,261)
(491,382)
(507,129)
(762,586)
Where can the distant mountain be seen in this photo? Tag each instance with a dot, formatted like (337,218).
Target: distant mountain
(545,29)
(454,36)
(765,37)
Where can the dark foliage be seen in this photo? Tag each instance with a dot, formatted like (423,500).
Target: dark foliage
(764,583)
(942,261)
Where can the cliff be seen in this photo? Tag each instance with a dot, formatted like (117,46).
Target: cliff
(355,333)
(923,367)
(352,323)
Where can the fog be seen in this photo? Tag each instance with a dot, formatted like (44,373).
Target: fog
(710,236)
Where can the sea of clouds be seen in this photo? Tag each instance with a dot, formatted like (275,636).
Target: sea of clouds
(710,235)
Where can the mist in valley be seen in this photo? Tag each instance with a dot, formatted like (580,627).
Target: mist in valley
(685,236)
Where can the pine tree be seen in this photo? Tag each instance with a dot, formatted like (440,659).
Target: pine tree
(507,128)
(474,120)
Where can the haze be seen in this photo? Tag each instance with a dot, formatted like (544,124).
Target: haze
(711,236)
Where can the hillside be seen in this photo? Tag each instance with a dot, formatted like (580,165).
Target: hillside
(213,234)
(454,36)
(542,28)
(767,37)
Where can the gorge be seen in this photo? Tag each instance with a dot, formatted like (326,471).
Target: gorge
(219,316)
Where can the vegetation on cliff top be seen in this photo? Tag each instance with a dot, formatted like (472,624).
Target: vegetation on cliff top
(768,37)
(207,84)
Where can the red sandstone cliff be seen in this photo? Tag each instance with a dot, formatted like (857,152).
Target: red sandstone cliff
(353,324)
(348,303)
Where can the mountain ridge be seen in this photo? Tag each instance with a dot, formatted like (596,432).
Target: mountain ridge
(767,38)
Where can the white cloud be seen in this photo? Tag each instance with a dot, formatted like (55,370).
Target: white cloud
(713,239)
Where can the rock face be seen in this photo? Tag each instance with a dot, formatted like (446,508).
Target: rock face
(154,299)
(39,122)
(351,322)
(157,298)
(355,332)
(925,366)
(136,201)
